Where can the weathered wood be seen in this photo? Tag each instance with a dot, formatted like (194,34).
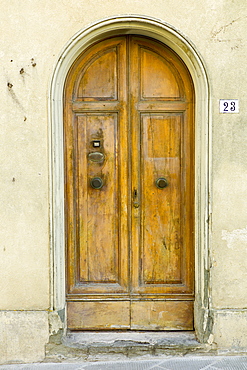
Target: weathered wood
(98,315)
(129,239)
(172,315)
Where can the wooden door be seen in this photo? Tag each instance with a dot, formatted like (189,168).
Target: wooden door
(129,175)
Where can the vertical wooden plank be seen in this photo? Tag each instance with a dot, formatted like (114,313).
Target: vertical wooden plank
(135,162)
(81,199)
(70,204)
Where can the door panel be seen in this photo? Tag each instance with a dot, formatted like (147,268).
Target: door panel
(166,315)
(98,315)
(161,231)
(162,79)
(95,129)
(129,158)
(162,134)
(99,77)
(98,210)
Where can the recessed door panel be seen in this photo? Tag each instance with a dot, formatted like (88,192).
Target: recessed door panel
(161,206)
(166,315)
(99,76)
(98,207)
(99,315)
(162,79)
(129,159)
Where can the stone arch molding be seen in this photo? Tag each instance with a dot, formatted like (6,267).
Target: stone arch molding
(167,34)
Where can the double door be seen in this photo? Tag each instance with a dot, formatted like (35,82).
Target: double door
(129,195)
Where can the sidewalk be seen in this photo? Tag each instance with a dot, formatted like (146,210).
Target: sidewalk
(166,363)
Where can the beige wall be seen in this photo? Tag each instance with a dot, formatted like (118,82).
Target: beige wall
(33,35)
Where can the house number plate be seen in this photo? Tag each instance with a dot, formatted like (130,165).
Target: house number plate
(229,106)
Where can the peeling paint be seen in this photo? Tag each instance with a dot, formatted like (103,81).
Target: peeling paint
(236,235)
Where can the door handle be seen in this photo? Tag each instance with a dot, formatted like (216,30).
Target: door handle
(161,183)
(96,183)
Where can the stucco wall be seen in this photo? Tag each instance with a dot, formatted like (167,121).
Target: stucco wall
(33,35)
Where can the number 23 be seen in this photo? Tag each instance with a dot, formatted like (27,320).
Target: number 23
(232,106)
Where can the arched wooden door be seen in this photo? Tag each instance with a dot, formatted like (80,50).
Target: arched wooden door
(129,180)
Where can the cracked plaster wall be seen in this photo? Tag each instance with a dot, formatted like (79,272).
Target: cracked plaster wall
(33,34)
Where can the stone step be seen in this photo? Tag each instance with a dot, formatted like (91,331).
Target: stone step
(128,344)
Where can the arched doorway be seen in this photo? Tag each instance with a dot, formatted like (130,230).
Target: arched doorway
(165,33)
(129,187)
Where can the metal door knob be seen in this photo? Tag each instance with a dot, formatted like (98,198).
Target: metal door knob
(96,183)
(161,183)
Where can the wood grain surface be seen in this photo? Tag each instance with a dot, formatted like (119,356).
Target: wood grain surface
(129,244)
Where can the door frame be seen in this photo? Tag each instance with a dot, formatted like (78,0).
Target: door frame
(165,33)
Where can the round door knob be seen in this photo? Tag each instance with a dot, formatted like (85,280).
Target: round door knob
(96,183)
(161,183)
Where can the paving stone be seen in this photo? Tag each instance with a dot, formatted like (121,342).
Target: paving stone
(172,363)
(186,364)
(124,365)
(232,363)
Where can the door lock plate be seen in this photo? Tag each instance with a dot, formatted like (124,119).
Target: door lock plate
(96,157)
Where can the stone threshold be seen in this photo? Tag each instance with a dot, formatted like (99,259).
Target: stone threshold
(97,345)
